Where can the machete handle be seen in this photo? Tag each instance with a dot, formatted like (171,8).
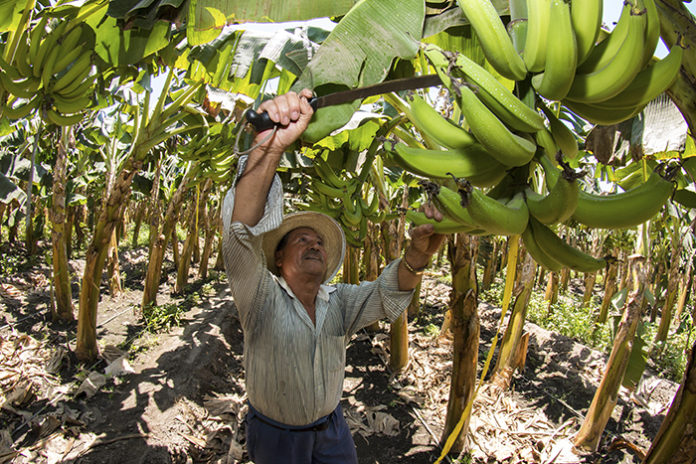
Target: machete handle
(262,122)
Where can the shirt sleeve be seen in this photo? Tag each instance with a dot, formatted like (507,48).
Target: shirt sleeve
(245,263)
(372,301)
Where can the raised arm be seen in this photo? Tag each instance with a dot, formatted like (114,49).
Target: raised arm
(424,243)
(293,113)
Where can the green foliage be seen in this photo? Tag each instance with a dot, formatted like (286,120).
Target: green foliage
(159,318)
(570,318)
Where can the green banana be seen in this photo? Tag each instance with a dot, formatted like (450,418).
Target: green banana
(351,213)
(445,226)
(430,122)
(568,256)
(46,46)
(558,205)
(626,209)
(561,54)
(58,119)
(34,42)
(77,72)
(47,70)
(327,174)
(71,39)
(650,82)
(510,109)
(686,198)
(71,105)
(450,205)
(586,17)
(496,217)
(79,87)
(466,162)
(604,52)
(495,41)
(67,58)
(602,115)
(23,88)
(618,73)
(508,148)
(326,190)
(22,110)
(539,255)
(21,57)
(536,40)
(652,30)
(563,137)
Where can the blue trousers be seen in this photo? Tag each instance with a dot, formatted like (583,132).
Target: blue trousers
(326,441)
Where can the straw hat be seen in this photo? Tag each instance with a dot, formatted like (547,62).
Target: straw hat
(327,228)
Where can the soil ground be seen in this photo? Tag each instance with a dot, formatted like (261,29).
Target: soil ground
(178,396)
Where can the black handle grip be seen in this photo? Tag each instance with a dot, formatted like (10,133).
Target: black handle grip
(262,122)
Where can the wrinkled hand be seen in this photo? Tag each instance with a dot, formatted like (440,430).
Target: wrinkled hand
(424,240)
(292,111)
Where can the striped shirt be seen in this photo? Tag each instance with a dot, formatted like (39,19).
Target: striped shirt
(294,368)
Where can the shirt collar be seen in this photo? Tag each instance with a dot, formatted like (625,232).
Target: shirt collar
(324,290)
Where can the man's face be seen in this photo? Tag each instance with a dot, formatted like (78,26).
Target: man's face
(303,253)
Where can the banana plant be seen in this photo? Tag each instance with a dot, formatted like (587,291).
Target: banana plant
(145,130)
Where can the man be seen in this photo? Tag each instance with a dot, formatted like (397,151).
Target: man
(296,327)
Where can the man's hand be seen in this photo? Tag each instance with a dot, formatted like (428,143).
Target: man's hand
(424,243)
(293,113)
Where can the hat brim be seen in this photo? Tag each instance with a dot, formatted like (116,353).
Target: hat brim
(327,228)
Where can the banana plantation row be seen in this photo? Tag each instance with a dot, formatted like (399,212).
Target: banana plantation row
(108,129)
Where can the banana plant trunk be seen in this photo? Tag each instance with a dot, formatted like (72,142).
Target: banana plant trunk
(30,243)
(610,282)
(192,241)
(589,280)
(210,233)
(606,396)
(159,245)
(182,270)
(95,257)
(675,442)
(513,342)
(564,280)
(114,266)
(684,286)
(371,259)
(551,295)
(63,309)
(670,297)
(398,330)
(465,326)
(491,264)
(137,223)
(154,211)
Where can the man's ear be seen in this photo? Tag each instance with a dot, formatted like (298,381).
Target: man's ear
(278,258)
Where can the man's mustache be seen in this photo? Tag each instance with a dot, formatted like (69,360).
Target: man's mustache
(313,254)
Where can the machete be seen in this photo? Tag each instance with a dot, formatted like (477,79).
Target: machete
(262,122)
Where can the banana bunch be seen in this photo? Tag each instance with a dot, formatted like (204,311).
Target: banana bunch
(554,253)
(51,71)
(604,81)
(341,198)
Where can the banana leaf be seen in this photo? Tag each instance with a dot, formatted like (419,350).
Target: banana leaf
(358,52)
(207,17)
(638,358)
(9,190)
(10,14)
